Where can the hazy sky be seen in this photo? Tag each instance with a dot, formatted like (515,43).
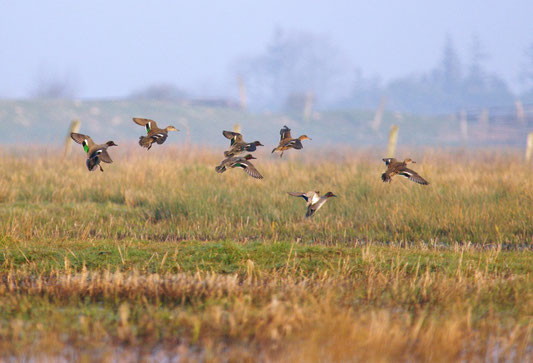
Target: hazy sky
(110,48)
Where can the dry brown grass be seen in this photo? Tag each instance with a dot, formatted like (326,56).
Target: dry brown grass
(173,194)
(160,257)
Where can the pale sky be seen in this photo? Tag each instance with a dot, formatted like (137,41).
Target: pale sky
(111,48)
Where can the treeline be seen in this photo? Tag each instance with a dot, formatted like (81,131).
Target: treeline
(299,68)
(295,65)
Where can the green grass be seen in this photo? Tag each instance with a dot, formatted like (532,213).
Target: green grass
(161,257)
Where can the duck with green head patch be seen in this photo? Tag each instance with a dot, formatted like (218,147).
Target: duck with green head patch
(237,145)
(153,132)
(95,152)
(239,162)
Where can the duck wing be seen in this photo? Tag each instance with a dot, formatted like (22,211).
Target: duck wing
(413,176)
(84,140)
(298,194)
(285,133)
(249,168)
(233,136)
(100,152)
(81,138)
(295,144)
(104,156)
(145,122)
(310,197)
(160,136)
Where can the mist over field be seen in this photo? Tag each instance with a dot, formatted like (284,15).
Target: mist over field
(160,256)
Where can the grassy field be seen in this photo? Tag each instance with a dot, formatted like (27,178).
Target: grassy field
(160,257)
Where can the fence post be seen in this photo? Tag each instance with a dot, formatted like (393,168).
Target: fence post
(74,127)
(529,147)
(393,138)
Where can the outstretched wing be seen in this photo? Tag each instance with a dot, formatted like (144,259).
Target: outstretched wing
(285,133)
(298,194)
(146,122)
(80,138)
(233,136)
(250,169)
(310,197)
(413,176)
(104,156)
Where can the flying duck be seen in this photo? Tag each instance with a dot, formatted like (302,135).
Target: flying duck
(400,167)
(239,162)
(95,153)
(313,199)
(153,132)
(287,142)
(237,145)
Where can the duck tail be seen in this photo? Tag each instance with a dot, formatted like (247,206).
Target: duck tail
(385,177)
(220,169)
(145,141)
(92,163)
(227,154)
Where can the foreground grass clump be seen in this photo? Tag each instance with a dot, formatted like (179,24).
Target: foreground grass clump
(161,258)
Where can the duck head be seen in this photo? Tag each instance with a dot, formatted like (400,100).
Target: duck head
(111,143)
(304,137)
(329,195)
(409,160)
(257,143)
(388,160)
(249,157)
(171,128)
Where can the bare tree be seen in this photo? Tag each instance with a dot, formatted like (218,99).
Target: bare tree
(295,63)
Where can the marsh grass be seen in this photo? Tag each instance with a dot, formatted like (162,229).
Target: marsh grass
(481,198)
(159,257)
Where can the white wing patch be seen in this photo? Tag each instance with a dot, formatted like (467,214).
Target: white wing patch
(315,198)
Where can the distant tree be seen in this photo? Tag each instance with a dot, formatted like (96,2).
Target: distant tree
(480,88)
(295,63)
(160,92)
(448,73)
(446,89)
(476,71)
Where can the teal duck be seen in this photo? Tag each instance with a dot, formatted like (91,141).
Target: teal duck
(95,152)
(153,132)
